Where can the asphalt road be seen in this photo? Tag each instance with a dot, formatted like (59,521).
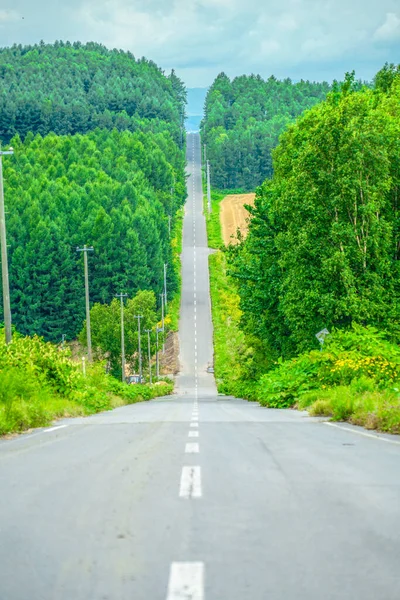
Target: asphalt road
(199,497)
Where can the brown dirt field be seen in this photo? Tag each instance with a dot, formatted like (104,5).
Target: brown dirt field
(233,215)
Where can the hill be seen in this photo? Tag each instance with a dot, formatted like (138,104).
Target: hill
(98,161)
(243,121)
(73,88)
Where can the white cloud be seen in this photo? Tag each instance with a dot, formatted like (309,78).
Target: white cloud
(390,30)
(296,38)
(7,15)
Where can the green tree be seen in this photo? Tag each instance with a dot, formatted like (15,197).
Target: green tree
(323,245)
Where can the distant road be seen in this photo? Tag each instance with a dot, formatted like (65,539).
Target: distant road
(198,496)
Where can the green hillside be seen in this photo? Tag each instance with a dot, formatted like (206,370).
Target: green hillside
(98,161)
(243,121)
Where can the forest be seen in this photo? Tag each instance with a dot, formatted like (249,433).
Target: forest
(109,174)
(322,255)
(243,120)
(69,88)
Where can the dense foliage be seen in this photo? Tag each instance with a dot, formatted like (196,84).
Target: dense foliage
(243,121)
(99,160)
(111,190)
(106,330)
(355,377)
(322,251)
(348,355)
(323,247)
(39,382)
(73,88)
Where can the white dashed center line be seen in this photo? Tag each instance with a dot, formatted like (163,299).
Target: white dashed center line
(190,483)
(192,448)
(186,581)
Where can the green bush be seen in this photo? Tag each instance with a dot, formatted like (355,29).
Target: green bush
(361,357)
(40,382)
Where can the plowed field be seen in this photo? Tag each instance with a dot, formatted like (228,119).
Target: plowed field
(234,216)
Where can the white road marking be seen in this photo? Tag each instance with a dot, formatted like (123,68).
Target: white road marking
(194,424)
(193,434)
(190,486)
(192,448)
(54,428)
(369,435)
(186,581)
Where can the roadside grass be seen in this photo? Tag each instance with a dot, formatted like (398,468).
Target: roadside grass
(40,383)
(229,342)
(213,222)
(374,409)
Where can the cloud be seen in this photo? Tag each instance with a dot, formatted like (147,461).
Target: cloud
(297,38)
(390,30)
(7,15)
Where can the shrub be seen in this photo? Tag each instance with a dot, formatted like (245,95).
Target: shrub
(39,382)
(361,357)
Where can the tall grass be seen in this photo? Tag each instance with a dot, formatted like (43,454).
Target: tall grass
(39,382)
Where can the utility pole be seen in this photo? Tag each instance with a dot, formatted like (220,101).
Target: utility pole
(148,331)
(169,225)
(205,153)
(85,250)
(208,187)
(138,317)
(165,284)
(162,318)
(4,258)
(121,297)
(157,360)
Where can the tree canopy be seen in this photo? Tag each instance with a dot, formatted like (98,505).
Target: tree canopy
(111,190)
(98,160)
(323,247)
(243,121)
(73,88)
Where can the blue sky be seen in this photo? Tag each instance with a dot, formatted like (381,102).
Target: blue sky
(313,39)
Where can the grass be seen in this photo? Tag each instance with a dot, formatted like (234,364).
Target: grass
(213,222)
(39,408)
(40,382)
(370,408)
(232,353)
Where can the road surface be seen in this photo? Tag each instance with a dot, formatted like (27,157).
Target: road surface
(196,496)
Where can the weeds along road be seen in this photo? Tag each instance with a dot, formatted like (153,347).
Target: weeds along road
(196,496)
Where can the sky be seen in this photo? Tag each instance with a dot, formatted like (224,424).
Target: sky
(309,39)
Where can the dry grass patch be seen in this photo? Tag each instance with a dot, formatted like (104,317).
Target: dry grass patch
(234,216)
